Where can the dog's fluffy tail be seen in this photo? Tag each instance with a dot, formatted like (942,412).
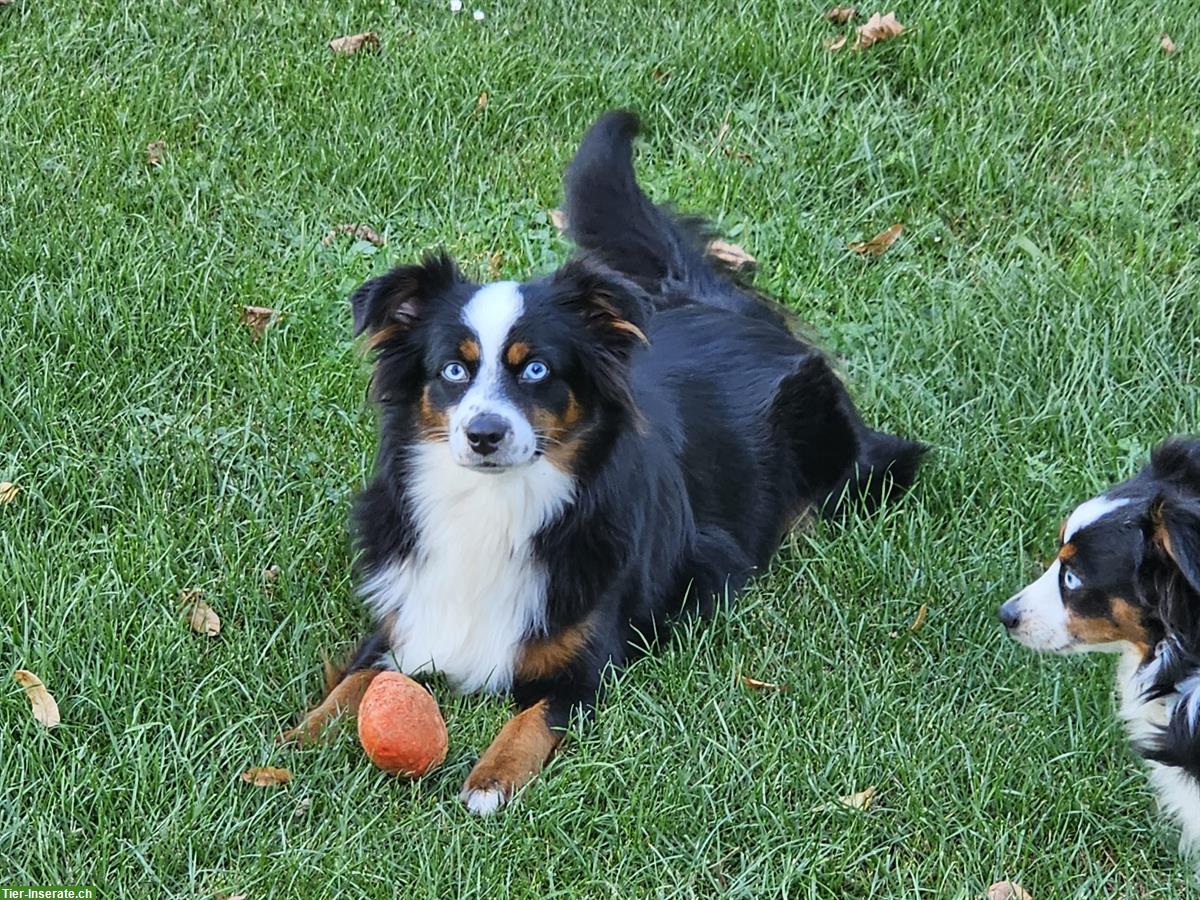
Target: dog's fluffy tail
(610,218)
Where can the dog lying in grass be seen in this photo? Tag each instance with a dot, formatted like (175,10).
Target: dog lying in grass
(1127,580)
(570,463)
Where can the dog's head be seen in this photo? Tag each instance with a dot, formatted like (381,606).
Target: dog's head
(1127,572)
(506,373)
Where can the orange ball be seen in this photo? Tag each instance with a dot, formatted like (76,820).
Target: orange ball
(400,726)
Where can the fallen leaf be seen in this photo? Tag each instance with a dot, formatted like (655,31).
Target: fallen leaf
(266,776)
(45,709)
(358,232)
(757,685)
(495,262)
(731,255)
(1008,890)
(862,800)
(154,152)
(354,42)
(558,220)
(200,616)
(919,621)
(840,15)
(8,492)
(834,44)
(257,318)
(481,102)
(879,244)
(875,29)
(1166,43)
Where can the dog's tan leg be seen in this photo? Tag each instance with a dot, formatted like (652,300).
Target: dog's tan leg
(515,756)
(344,697)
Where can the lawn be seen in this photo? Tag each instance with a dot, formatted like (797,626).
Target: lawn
(1037,323)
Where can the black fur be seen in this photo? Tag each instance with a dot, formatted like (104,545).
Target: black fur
(699,446)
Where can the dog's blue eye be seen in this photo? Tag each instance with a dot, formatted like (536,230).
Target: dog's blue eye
(535,371)
(1071,581)
(455,372)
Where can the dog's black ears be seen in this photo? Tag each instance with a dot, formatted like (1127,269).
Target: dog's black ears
(614,309)
(397,298)
(1176,535)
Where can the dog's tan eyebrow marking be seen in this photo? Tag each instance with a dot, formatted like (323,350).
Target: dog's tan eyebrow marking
(468,350)
(517,353)
(1067,552)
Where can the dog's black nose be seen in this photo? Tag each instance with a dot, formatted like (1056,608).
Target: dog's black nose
(485,432)
(1010,616)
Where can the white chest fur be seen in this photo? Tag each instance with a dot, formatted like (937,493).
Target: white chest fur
(471,591)
(1178,793)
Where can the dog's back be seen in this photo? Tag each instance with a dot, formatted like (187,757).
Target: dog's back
(714,337)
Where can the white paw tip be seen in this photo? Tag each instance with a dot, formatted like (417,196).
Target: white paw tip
(483,802)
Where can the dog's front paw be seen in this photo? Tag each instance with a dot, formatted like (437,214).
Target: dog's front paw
(483,800)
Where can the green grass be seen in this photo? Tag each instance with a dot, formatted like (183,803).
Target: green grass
(1036,323)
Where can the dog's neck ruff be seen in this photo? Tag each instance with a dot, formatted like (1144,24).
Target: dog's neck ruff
(1145,717)
(471,590)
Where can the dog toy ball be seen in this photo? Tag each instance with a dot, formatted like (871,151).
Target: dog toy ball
(400,726)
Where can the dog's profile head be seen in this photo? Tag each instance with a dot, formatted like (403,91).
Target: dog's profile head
(1127,572)
(506,373)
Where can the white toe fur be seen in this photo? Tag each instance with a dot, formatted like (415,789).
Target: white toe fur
(483,802)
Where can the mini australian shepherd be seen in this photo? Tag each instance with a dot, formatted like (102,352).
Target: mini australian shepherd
(1127,580)
(568,464)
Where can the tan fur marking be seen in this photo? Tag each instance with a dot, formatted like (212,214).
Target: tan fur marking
(1123,623)
(630,328)
(517,754)
(433,420)
(343,698)
(382,336)
(469,350)
(543,658)
(560,433)
(518,352)
(1067,552)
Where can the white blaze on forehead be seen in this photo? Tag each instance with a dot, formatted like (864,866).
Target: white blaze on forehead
(1090,512)
(491,314)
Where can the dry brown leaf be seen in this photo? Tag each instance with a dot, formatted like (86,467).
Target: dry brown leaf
(558,220)
(8,492)
(879,244)
(481,101)
(1008,890)
(45,709)
(834,44)
(154,152)
(352,43)
(358,232)
(875,29)
(862,800)
(1166,43)
(731,255)
(757,685)
(200,616)
(495,264)
(840,15)
(919,621)
(257,318)
(266,776)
